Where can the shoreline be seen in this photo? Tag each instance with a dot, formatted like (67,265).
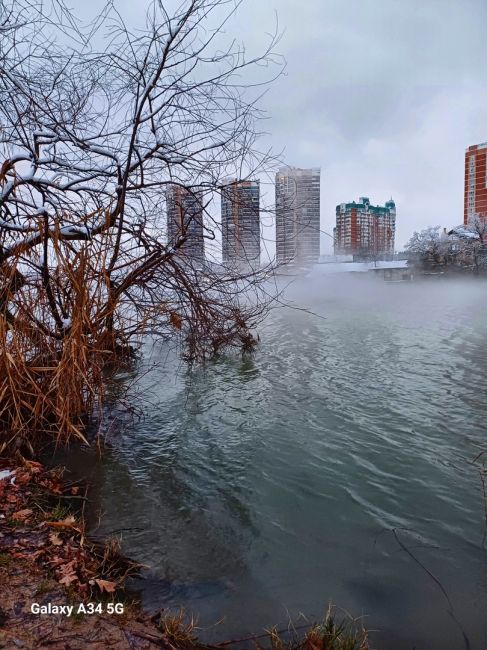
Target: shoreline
(62,590)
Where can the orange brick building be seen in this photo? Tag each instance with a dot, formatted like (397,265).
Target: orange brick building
(475,203)
(365,230)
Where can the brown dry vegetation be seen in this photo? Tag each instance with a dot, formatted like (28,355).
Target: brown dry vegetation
(335,632)
(90,143)
(42,521)
(53,377)
(49,384)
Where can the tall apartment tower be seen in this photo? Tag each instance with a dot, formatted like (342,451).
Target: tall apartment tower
(365,230)
(240,223)
(475,204)
(184,208)
(297,215)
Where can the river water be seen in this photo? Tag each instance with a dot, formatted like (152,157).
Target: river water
(334,465)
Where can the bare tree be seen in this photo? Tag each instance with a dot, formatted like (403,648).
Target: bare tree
(91,139)
(478,227)
(467,246)
(427,246)
(476,245)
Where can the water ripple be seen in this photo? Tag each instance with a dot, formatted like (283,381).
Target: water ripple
(278,474)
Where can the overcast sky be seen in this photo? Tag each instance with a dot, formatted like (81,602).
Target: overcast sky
(383,95)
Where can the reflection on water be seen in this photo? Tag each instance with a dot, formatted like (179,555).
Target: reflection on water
(258,489)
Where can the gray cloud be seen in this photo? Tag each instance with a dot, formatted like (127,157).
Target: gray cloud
(384,95)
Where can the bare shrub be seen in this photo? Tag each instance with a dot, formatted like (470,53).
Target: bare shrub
(91,139)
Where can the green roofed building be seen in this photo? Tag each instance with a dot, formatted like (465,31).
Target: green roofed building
(365,231)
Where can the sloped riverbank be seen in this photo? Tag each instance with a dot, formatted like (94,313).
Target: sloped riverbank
(61,590)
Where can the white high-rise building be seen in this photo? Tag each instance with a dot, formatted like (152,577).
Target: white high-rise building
(240,223)
(184,208)
(297,215)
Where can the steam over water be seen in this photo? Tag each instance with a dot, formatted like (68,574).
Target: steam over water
(258,489)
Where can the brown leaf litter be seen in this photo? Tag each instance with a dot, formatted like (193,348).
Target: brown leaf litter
(46,558)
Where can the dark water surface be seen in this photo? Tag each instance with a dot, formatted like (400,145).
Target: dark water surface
(260,489)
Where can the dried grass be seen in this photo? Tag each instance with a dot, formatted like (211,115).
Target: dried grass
(53,370)
(69,320)
(333,633)
(179,629)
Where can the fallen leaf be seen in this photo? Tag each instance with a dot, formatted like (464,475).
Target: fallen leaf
(55,539)
(67,573)
(22,514)
(21,556)
(22,477)
(34,466)
(106,585)
(52,486)
(69,567)
(68,579)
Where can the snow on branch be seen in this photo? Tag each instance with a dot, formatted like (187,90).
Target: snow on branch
(92,138)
